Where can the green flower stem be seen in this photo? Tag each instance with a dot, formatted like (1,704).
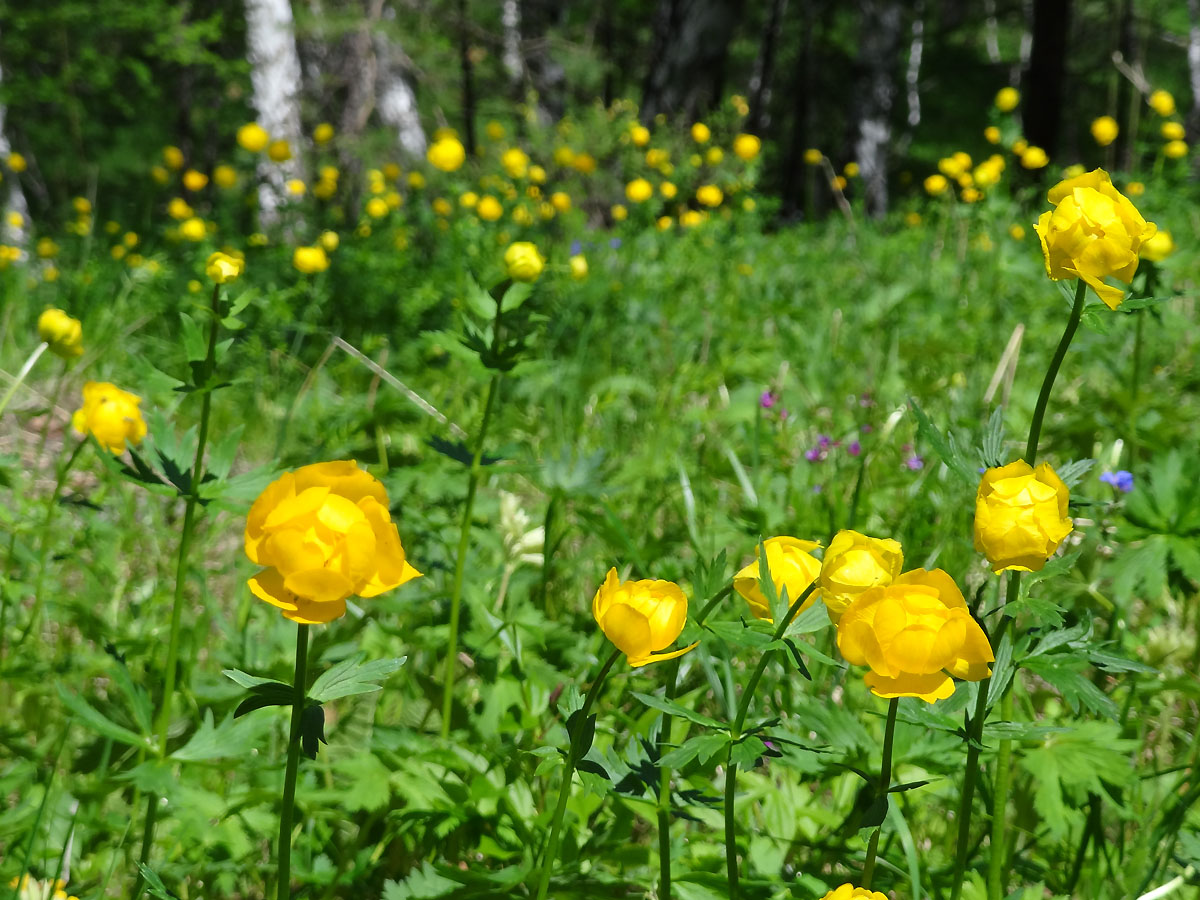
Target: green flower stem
(460,560)
(162,726)
(19,380)
(564,791)
(1135,386)
(999,858)
(885,784)
(1039,411)
(44,546)
(287,812)
(735,734)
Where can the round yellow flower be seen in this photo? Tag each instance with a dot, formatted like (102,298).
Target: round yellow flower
(296,187)
(793,567)
(709,195)
(561,201)
(701,133)
(173,157)
(1175,149)
(813,156)
(1172,131)
(330,241)
(223,268)
(1020,516)
(641,617)
(442,207)
(1016,232)
(1034,158)
(1135,189)
(912,219)
(488,208)
(640,135)
(515,162)
(310,260)
(639,190)
(579,266)
(850,892)
(279,150)
(194,180)
(913,635)
(746,146)
(110,415)
(1158,247)
(523,262)
(178,208)
(323,134)
(1162,103)
(193,229)
(322,534)
(564,156)
(468,200)
(1007,99)
(253,137)
(225,176)
(1104,130)
(619,213)
(668,190)
(63,333)
(936,185)
(854,563)
(377,208)
(584,163)
(851,170)
(537,174)
(1093,232)
(16,163)
(714,155)
(991,134)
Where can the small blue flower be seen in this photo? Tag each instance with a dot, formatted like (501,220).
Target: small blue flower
(1122,480)
(615,243)
(576,247)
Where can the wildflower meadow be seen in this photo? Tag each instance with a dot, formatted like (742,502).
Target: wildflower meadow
(642,450)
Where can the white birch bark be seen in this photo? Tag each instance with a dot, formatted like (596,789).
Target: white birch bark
(395,99)
(16,236)
(510,20)
(912,77)
(275,78)
(1193,59)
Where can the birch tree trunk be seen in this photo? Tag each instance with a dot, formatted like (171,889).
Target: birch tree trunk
(691,44)
(764,69)
(879,49)
(510,21)
(275,78)
(1193,58)
(13,235)
(394,96)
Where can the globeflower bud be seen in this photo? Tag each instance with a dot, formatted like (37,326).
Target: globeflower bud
(223,268)
(853,563)
(1093,232)
(1162,103)
(1020,516)
(323,533)
(523,262)
(848,891)
(641,617)
(110,415)
(793,567)
(63,333)
(913,635)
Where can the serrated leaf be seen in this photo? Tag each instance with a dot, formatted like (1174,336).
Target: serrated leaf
(154,884)
(425,883)
(352,676)
(516,295)
(945,448)
(230,739)
(675,709)
(747,751)
(245,679)
(1072,473)
(582,732)
(98,722)
(703,746)
(593,768)
(1065,674)
(222,452)
(993,440)
(312,729)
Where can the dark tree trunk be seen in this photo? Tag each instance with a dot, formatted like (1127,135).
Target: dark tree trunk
(687,67)
(794,167)
(468,77)
(1043,88)
(879,58)
(764,69)
(1193,58)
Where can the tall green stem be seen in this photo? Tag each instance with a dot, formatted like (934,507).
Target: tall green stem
(735,735)
(1060,352)
(20,378)
(163,724)
(885,785)
(664,788)
(288,810)
(460,561)
(564,790)
(1135,385)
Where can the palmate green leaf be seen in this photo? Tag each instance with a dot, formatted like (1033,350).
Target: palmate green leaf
(703,747)
(946,448)
(232,738)
(353,676)
(747,751)
(98,722)
(1065,672)
(245,679)
(425,883)
(674,709)
(992,450)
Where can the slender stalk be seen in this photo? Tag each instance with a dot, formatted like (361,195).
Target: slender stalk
(44,545)
(293,762)
(16,382)
(460,560)
(885,784)
(1003,780)
(1135,385)
(735,734)
(1060,352)
(564,790)
(163,724)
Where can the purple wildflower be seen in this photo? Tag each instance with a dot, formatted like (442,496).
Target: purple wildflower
(813,455)
(854,448)
(824,441)
(915,463)
(767,400)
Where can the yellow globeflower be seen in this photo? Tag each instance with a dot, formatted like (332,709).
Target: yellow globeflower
(1020,516)
(447,154)
(1158,247)
(225,176)
(173,157)
(1104,130)
(279,150)
(640,135)
(16,163)
(310,260)
(523,262)
(668,190)
(1034,158)
(1016,232)
(193,229)
(851,170)
(488,208)
(253,137)
(442,207)
(561,201)
(914,634)
(296,187)
(639,190)
(1135,189)
(813,156)
(537,174)
(584,163)
(709,195)
(63,333)
(223,268)
(701,133)
(1007,99)
(377,208)
(194,180)
(838,183)
(579,266)
(468,199)
(178,208)
(1172,131)
(936,184)
(852,564)
(323,533)
(641,618)
(793,567)
(1175,149)
(991,134)
(848,891)
(564,156)
(323,134)
(664,223)
(46,248)
(1093,232)
(330,241)
(494,130)
(515,162)
(1162,103)
(110,415)
(746,146)
(619,212)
